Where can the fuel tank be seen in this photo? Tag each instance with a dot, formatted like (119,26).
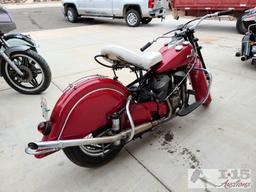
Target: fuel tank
(174,57)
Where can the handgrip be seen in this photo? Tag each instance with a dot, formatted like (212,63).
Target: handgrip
(146,46)
(227,12)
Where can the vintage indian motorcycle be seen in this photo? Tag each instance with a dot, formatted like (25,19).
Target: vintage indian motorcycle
(20,64)
(96,116)
(248,46)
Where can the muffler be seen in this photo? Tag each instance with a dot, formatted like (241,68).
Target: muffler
(37,148)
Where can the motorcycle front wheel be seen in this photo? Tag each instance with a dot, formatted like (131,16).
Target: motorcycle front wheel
(37,74)
(93,155)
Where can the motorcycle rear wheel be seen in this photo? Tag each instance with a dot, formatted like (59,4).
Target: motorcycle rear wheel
(93,155)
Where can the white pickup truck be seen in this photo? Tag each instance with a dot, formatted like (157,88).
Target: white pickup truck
(133,11)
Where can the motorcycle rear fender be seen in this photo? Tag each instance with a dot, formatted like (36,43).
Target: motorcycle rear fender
(199,83)
(85,107)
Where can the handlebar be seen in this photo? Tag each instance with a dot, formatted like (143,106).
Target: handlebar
(185,26)
(146,46)
(226,12)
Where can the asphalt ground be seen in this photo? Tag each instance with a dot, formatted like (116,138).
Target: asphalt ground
(44,18)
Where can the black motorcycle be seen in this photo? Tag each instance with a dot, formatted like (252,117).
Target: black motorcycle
(248,47)
(20,64)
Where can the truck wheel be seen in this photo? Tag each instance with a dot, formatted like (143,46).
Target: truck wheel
(240,26)
(72,14)
(146,20)
(132,18)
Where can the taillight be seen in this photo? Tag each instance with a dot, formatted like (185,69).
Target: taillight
(44,128)
(150,3)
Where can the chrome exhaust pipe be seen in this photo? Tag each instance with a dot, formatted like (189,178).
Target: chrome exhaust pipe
(36,148)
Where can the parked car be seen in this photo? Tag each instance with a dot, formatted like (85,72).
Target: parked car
(199,7)
(133,11)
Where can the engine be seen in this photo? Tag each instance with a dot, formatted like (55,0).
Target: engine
(159,87)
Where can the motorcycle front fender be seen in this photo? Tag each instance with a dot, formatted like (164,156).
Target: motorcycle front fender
(13,49)
(22,40)
(85,107)
(199,84)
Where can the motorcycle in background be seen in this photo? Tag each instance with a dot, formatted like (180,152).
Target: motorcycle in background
(20,64)
(248,47)
(96,116)
(248,18)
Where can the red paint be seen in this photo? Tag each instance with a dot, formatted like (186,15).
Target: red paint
(173,59)
(151,4)
(91,112)
(142,112)
(199,83)
(213,5)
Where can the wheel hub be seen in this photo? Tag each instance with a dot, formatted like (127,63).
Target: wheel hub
(132,19)
(70,15)
(27,74)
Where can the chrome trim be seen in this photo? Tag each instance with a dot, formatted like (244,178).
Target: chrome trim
(11,63)
(62,129)
(34,152)
(130,118)
(52,146)
(82,79)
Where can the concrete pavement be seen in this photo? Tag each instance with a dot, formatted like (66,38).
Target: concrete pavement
(219,136)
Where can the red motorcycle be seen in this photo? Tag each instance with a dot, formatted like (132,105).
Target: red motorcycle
(96,116)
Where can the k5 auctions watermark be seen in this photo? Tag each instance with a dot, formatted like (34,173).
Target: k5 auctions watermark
(219,178)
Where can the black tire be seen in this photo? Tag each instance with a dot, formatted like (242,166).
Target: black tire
(82,158)
(72,14)
(146,20)
(132,18)
(240,26)
(11,79)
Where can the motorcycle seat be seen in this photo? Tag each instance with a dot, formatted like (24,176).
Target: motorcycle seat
(121,55)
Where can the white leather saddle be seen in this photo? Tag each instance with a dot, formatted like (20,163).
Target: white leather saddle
(121,55)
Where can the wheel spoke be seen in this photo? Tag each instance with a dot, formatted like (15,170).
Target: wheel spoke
(37,71)
(12,73)
(34,82)
(25,61)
